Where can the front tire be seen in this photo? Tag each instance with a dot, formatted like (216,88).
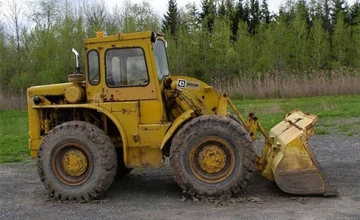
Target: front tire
(212,156)
(77,161)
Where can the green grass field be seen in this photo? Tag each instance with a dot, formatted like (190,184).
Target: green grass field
(13,136)
(328,109)
(335,116)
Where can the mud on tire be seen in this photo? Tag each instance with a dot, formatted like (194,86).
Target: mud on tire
(212,156)
(77,161)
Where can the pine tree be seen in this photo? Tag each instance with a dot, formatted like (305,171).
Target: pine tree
(254,16)
(354,15)
(300,26)
(264,12)
(327,16)
(246,15)
(287,11)
(337,7)
(208,14)
(238,16)
(315,10)
(171,18)
(229,5)
(221,10)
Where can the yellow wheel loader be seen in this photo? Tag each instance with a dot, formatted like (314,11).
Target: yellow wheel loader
(126,111)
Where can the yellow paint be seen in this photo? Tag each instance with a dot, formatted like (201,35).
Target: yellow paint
(34,126)
(128,114)
(34,145)
(287,146)
(101,92)
(152,135)
(121,38)
(100,34)
(212,159)
(53,89)
(74,94)
(222,109)
(74,162)
(144,157)
(197,95)
(156,108)
(174,126)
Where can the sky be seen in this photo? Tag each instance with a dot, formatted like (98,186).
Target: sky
(159,6)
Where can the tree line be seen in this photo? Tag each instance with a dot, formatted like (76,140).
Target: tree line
(221,39)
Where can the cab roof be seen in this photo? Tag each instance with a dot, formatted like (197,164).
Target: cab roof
(100,38)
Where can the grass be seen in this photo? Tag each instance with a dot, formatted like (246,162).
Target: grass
(336,114)
(13,136)
(321,131)
(328,109)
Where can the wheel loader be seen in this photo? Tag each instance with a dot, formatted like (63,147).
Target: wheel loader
(126,111)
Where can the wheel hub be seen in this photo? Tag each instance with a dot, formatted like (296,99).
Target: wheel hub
(212,159)
(74,162)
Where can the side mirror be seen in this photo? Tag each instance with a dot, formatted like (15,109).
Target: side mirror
(153,37)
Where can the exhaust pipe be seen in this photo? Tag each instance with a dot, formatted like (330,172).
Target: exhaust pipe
(77,76)
(77,59)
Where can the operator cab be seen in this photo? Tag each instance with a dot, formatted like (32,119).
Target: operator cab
(119,64)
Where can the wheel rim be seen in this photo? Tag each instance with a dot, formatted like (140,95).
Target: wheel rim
(212,160)
(72,164)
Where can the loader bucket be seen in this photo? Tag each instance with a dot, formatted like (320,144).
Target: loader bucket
(290,160)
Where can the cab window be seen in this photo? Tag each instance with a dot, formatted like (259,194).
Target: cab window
(126,67)
(161,61)
(93,67)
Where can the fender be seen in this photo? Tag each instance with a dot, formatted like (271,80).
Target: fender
(175,125)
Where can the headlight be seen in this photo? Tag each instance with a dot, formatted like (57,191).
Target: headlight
(37,100)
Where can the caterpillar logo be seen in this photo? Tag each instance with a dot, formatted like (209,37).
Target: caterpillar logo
(182,83)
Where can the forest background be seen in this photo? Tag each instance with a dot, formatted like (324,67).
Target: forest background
(307,48)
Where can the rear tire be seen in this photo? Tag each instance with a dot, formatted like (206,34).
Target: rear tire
(77,161)
(212,156)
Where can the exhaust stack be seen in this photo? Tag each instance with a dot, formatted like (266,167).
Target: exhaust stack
(77,76)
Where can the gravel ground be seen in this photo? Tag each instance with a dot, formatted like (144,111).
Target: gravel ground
(153,193)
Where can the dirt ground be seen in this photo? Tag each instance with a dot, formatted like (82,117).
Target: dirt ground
(153,193)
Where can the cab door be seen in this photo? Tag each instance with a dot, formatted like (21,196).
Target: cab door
(136,101)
